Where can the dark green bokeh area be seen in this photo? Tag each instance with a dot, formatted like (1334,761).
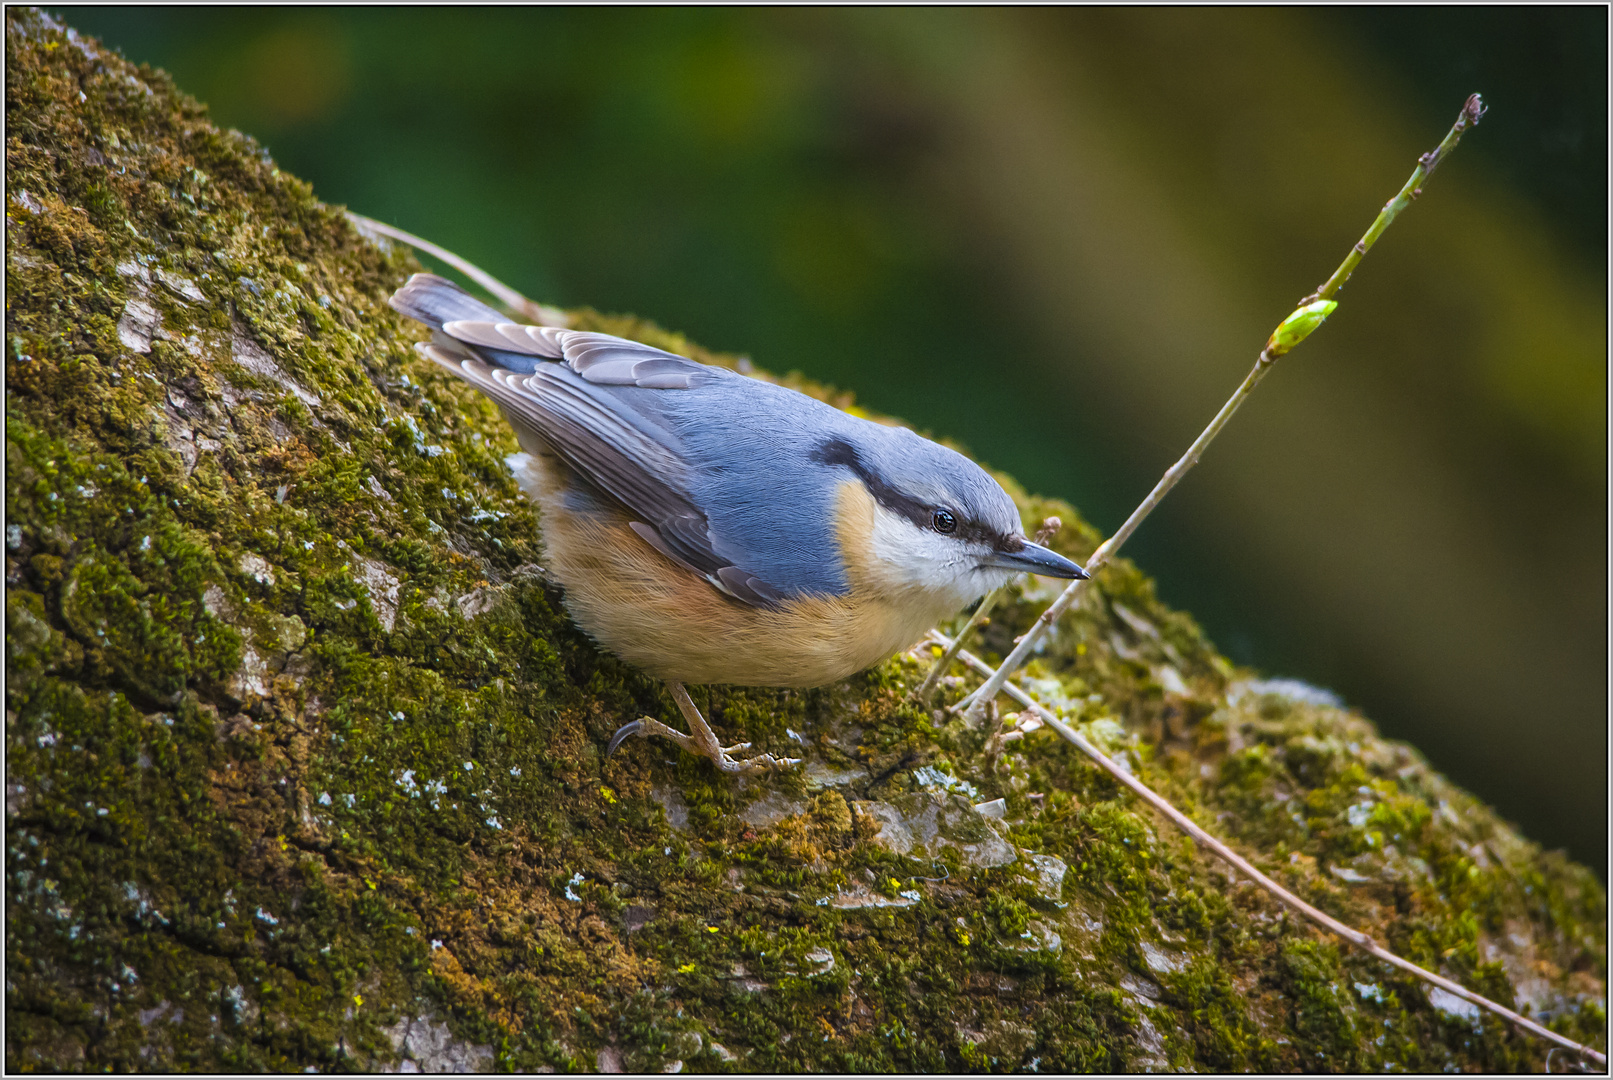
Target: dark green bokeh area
(1060,237)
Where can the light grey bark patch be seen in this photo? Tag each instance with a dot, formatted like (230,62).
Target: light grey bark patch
(429,1047)
(177,435)
(247,353)
(821,774)
(257,568)
(217,603)
(181,286)
(671,800)
(822,961)
(773,806)
(1050,871)
(139,323)
(924,823)
(996,809)
(383,589)
(251,678)
(1143,991)
(857,895)
(1165,961)
(1038,937)
(478,601)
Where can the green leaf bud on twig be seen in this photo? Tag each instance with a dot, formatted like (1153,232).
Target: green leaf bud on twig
(1298,326)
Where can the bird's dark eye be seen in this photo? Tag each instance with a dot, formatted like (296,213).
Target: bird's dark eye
(944,522)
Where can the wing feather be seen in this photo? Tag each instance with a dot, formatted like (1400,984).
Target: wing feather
(600,358)
(575,407)
(627,462)
(612,361)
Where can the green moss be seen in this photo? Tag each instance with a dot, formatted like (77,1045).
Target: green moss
(301,743)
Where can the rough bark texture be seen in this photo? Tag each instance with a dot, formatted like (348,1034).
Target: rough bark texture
(304,758)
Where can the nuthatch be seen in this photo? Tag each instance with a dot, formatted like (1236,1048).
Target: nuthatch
(712,528)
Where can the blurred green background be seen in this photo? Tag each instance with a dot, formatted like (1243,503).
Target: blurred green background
(1061,236)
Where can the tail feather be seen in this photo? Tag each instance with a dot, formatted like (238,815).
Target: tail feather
(437,302)
(433,300)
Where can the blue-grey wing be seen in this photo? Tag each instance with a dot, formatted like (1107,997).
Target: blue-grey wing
(620,443)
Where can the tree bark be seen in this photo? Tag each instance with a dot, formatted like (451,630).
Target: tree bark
(305,759)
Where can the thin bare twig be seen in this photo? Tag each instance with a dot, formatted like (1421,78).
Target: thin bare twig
(1226,854)
(933,679)
(1473,111)
(542,314)
(1294,329)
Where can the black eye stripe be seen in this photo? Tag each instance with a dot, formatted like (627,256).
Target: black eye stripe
(840,452)
(984,534)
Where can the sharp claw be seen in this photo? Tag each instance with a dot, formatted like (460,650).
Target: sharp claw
(622,733)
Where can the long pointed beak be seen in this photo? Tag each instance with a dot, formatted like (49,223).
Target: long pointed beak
(1035,559)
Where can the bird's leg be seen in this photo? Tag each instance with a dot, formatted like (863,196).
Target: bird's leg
(703,741)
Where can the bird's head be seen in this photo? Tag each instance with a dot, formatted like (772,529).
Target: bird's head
(934,521)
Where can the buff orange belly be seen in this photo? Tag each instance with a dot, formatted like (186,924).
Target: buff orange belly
(670,622)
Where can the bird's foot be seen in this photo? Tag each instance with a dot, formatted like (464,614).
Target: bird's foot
(722,756)
(702,742)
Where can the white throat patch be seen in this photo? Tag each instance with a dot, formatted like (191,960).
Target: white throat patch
(907,558)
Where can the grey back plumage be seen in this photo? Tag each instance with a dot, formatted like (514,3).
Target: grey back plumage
(730,476)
